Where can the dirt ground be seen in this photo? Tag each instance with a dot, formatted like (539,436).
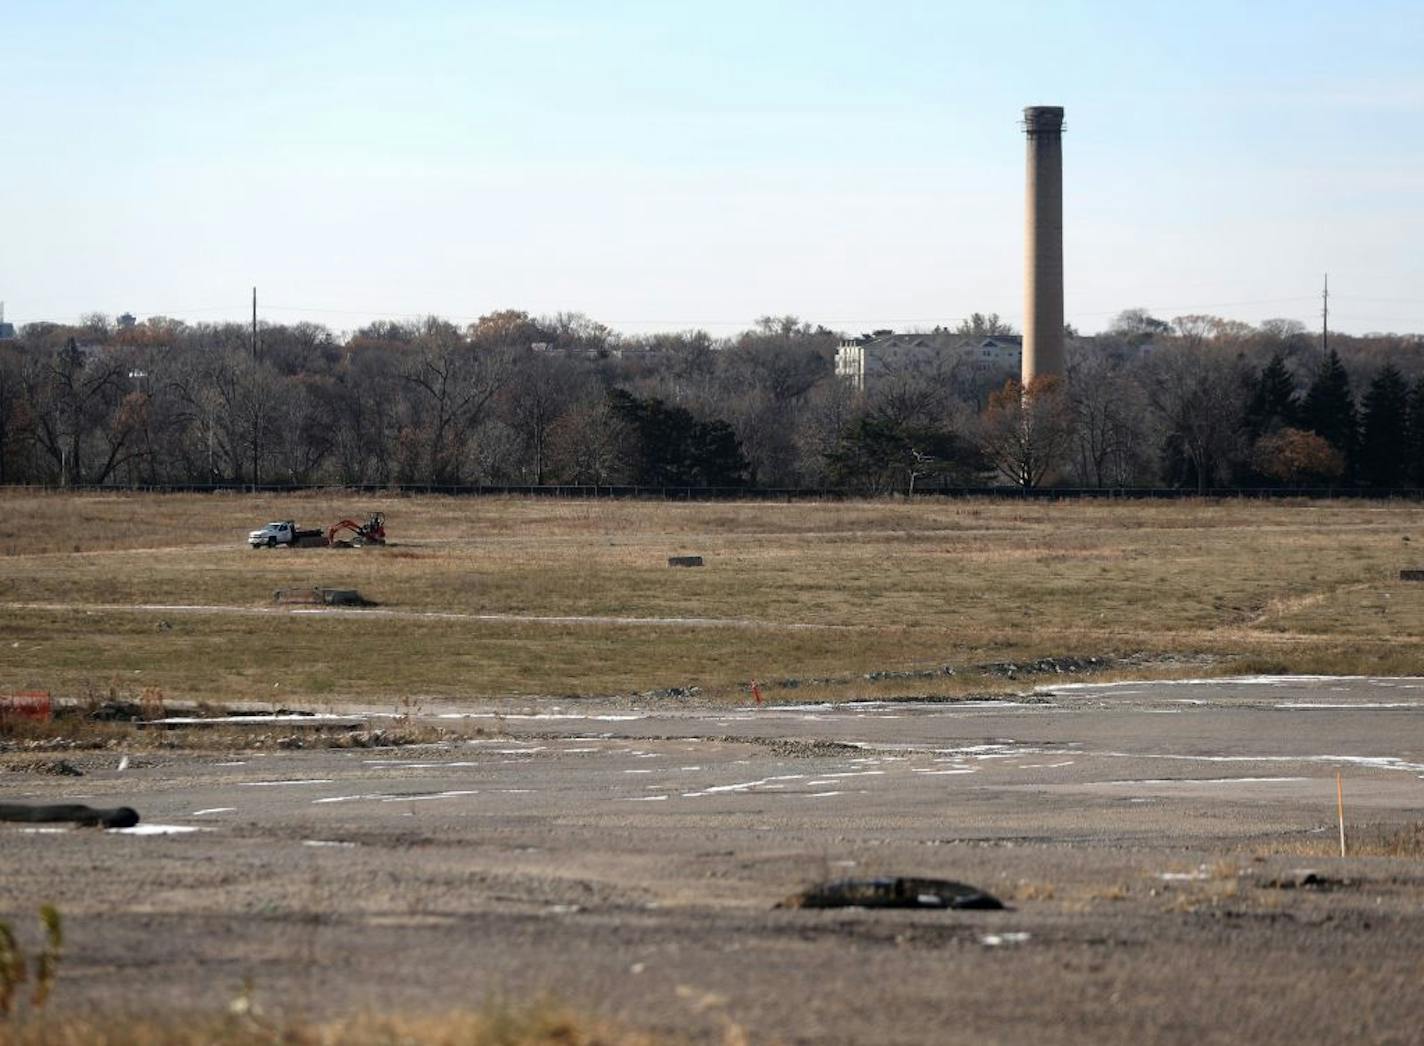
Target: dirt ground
(1164,850)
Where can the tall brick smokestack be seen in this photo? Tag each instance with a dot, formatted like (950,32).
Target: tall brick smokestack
(1043,243)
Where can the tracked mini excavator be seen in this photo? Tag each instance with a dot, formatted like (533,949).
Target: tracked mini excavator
(371,532)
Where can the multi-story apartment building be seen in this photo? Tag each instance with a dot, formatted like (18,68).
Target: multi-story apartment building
(871,358)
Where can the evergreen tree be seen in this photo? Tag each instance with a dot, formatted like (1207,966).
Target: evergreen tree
(1329,410)
(1414,469)
(1274,403)
(1384,430)
(716,458)
(877,455)
(674,449)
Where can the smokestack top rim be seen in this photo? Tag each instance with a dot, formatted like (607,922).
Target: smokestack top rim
(1041,118)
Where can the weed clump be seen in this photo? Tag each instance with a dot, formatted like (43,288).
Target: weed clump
(1380,840)
(15,970)
(541,1023)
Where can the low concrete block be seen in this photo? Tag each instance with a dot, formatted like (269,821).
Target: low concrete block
(332,597)
(342,597)
(296,596)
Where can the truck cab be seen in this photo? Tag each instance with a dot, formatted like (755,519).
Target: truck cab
(280,532)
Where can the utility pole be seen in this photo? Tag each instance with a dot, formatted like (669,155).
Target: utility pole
(1325,318)
(256,460)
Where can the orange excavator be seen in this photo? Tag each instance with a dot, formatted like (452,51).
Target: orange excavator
(371,532)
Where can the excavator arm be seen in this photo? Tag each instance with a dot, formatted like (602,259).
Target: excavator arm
(371,532)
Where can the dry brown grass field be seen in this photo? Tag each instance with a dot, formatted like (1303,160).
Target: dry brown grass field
(505,597)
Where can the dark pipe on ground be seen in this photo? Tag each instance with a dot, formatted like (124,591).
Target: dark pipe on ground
(72,813)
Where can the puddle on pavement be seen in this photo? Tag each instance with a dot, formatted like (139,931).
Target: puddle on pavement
(158,829)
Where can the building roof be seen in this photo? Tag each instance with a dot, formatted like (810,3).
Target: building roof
(942,340)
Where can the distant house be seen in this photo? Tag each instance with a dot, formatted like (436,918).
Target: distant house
(7,331)
(88,349)
(570,349)
(996,352)
(866,361)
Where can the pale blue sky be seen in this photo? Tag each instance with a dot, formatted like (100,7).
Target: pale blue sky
(665,165)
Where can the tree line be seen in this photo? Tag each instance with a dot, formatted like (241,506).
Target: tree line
(1194,402)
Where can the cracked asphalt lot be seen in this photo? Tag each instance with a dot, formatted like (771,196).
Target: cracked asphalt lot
(1165,851)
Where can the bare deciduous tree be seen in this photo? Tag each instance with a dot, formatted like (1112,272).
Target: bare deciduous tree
(1110,424)
(1199,397)
(1025,432)
(540,389)
(428,402)
(453,383)
(73,393)
(587,445)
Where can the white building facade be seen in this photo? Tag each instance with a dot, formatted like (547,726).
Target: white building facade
(868,360)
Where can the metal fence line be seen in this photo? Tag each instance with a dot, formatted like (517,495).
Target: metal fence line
(689,493)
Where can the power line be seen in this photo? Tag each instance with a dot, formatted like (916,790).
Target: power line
(750,322)
(1180,309)
(1396,301)
(1381,319)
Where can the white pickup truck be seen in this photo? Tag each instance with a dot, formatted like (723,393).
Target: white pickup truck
(285,532)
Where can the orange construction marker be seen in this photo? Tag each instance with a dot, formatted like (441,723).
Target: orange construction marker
(1340,809)
(756,692)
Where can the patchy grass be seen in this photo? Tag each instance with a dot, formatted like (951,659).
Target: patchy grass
(1366,840)
(505,597)
(75,728)
(1195,897)
(537,1024)
(1379,840)
(65,736)
(1026,890)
